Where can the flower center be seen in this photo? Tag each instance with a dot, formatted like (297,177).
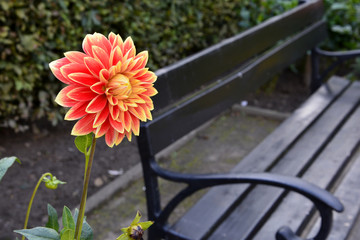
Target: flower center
(119,86)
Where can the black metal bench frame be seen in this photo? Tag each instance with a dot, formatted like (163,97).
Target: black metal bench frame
(228,71)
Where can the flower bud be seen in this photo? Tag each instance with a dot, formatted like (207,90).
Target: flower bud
(136,232)
(136,229)
(52,182)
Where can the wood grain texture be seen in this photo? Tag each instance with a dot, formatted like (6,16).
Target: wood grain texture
(221,200)
(295,161)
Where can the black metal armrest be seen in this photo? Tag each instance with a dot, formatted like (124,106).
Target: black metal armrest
(324,201)
(341,56)
(344,55)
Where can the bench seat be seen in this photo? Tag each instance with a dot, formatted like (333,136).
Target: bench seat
(316,143)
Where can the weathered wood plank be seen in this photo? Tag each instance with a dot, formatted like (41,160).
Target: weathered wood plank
(349,194)
(175,123)
(186,76)
(198,220)
(323,172)
(294,162)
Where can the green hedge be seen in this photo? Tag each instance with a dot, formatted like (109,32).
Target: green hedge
(34,33)
(343,18)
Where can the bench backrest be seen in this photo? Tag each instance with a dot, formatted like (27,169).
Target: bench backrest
(199,87)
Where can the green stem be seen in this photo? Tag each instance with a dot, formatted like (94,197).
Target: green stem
(32,199)
(79,221)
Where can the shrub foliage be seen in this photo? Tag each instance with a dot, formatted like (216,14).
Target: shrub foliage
(343,18)
(34,33)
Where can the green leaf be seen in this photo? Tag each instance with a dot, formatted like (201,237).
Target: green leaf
(146,225)
(137,218)
(67,219)
(83,143)
(39,233)
(6,163)
(86,232)
(53,218)
(124,237)
(67,234)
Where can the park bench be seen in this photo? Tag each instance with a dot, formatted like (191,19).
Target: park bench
(312,153)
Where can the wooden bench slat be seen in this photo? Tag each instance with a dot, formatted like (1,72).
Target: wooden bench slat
(327,167)
(198,220)
(178,80)
(209,103)
(294,162)
(349,194)
(235,225)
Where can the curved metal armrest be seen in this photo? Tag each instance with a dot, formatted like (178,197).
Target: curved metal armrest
(344,55)
(324,201)
(341,56)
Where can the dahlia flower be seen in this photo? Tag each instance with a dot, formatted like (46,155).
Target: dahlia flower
(108,87)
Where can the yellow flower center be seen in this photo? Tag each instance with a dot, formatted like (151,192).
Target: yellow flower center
(119,86)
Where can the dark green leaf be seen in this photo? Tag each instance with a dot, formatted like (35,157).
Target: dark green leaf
(39,233)
(5,163)
(83,143)
(86,232)
(52,219)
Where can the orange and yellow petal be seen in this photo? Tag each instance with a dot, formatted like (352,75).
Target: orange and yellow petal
(93,65)
(148,77)
(101,41)
(118,126)
(70,68)
(116,56)
(102,129)
(125,118)
(138,112)
(98,88)
(99,107)
(111,37)
(80,93)
(101,55)
(76,112)
(63,100)
(119,139)
(83,78)
(84,126)
(142,59)
(97,104)
(128,135)
(129,48)
(135,125)
(114,111)
(55,68)
(101,117)
(111,137)
(75,56)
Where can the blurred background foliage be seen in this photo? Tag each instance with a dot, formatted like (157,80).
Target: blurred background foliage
(343,18)
(34,33)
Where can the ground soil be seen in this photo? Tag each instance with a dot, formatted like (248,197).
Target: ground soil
(51,149)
